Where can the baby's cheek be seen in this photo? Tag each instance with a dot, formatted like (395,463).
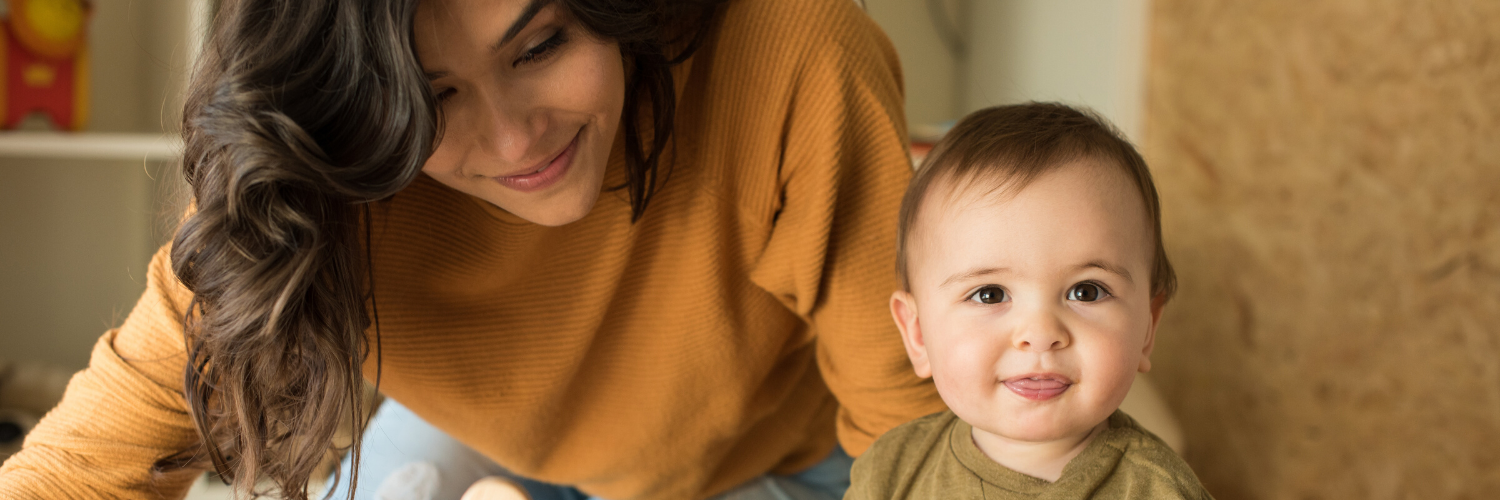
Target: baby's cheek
(959,391)
(1113,374)
(967,366)
(971,354)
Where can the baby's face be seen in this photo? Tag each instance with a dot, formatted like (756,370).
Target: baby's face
(1033,311)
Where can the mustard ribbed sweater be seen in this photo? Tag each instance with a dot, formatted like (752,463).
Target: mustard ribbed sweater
(739,327)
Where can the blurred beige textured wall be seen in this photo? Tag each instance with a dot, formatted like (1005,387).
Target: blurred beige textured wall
(1331,181)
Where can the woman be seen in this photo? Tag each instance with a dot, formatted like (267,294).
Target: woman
(633,278)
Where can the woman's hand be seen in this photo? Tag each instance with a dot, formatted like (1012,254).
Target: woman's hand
(495,488)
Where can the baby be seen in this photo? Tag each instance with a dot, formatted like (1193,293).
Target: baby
(1033,277)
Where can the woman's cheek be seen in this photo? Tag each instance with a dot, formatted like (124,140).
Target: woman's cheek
(439,166)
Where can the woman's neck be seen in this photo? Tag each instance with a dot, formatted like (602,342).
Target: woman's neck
(1044,459)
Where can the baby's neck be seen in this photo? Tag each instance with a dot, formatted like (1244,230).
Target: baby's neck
(1043,459)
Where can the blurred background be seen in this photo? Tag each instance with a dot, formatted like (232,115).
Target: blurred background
(1330,174)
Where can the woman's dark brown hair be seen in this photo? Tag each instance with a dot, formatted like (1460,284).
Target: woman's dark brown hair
(300,114)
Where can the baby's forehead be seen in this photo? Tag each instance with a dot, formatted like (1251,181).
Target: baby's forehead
(998,185)
(1097,204)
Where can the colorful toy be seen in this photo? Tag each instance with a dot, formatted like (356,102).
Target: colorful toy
(44,53)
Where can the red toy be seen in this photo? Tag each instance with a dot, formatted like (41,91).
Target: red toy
(44,54)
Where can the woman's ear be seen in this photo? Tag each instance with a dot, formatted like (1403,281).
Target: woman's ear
(1158,303)
(904,311)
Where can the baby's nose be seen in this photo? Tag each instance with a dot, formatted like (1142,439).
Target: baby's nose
(1043,333)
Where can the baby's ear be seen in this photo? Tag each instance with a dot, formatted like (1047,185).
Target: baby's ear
(904,311)
(1158,303)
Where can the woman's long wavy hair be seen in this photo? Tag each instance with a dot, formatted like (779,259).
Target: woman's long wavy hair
(301,113)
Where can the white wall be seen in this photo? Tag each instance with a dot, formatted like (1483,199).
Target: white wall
(1088,52)
(76,235)
(929,69)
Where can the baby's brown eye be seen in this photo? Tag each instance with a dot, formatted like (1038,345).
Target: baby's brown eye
(1086,292)
(989,295)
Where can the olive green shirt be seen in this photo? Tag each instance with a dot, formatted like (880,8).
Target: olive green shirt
(935,457)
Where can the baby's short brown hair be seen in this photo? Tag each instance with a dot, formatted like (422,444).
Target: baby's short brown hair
(1011,146)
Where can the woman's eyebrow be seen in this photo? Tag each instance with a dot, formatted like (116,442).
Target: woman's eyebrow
(520,23)
(527,13)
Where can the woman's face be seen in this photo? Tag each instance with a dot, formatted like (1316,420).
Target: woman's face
(530,101)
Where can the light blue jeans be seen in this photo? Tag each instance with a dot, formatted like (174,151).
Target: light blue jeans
(405,458)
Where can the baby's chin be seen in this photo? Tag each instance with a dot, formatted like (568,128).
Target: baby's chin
(1035,428)
(1036,433)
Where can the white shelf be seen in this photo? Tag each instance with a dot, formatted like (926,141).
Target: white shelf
(89,146)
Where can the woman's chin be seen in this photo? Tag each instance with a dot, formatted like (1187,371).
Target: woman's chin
(560,217)
(553,213)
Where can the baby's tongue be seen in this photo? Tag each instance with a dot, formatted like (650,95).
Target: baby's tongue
(1037,384)
(1037,389)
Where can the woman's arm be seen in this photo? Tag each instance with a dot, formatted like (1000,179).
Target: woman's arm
(120,415)
(831,255)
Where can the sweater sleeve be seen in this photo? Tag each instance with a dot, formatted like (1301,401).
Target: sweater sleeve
(119,415)
(831,254)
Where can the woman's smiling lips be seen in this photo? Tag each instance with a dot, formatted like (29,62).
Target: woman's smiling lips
(545,175)
(1038,386)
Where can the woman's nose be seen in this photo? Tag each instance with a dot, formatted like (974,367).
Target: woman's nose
(1041,330)
(503,131)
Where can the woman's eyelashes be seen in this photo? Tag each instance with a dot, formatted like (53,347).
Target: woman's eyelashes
(533,55)
(988,294)
(543,50)
(1088,291)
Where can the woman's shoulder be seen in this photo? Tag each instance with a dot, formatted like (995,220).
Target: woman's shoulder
(770,93)
(768,56)
(797,28)
(794,15)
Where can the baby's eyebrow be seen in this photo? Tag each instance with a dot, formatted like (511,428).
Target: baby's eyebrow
(1107,267)
(973,273)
